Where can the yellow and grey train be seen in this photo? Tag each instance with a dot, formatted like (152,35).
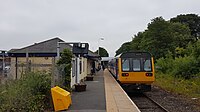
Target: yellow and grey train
(133,70)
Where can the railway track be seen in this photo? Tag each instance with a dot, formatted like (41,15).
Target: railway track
(146,104)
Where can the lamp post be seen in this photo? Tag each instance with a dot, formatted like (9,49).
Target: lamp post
(99,43)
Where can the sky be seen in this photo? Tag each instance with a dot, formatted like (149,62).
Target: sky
(24,22)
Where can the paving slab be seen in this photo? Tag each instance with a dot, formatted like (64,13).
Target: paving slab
(91,100)
(116,98)
(103,94)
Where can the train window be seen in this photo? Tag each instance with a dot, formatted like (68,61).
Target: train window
(136,65)
(125,65)
(147,65)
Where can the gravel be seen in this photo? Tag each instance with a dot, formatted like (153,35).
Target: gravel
(174,102)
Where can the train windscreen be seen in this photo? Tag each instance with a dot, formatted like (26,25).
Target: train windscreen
(126,65)
(136,63)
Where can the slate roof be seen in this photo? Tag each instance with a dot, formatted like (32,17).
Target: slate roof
(48,46)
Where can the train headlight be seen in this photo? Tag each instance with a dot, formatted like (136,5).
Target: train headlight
(149,74)
(125,74)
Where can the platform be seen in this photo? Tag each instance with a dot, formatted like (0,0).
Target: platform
(103,94)
(91,100)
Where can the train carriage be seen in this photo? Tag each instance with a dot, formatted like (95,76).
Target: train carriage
(133,70)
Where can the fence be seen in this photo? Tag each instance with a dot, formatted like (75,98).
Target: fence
(19,67)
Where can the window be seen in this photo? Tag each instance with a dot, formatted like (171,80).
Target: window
(147,65)
(125,65)
(136,65)
(83,66)
(80,65)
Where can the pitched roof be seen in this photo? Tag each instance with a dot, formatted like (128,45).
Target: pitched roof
(48,46)
(90,53)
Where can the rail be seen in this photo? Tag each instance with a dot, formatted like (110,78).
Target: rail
(146,103)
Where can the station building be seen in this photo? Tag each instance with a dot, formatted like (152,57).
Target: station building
(42,56)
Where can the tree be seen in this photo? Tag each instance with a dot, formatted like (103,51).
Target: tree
(102,52)
(136,41)
(125,47)
(192,21)
(181,35)
(157,39)
(160,38)
(64,63)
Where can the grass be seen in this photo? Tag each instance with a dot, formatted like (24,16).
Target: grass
(189,88)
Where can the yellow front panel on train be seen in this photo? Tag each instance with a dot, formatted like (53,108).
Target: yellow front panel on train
(130,77)
(136,77)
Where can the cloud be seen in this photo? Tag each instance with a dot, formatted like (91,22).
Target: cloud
(29,21)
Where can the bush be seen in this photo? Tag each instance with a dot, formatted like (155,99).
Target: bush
(164,65)
(64,66)
(31,93)
(64,76)
(185,67)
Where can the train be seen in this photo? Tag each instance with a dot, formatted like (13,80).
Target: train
(133,70)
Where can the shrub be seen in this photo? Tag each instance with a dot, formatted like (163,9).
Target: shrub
(31,93)
(165,65)
(64,67)
(185,67)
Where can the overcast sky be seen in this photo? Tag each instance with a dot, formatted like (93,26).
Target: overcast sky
(24,22)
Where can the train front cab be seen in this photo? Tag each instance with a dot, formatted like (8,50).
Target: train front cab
(136,71)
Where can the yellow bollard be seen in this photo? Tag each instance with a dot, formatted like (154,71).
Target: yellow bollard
(61,98)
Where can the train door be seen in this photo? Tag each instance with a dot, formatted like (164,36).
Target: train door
(117,69)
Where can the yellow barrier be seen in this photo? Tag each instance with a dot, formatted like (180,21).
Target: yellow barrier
(61,98)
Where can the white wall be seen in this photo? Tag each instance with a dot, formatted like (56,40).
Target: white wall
(83,70)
